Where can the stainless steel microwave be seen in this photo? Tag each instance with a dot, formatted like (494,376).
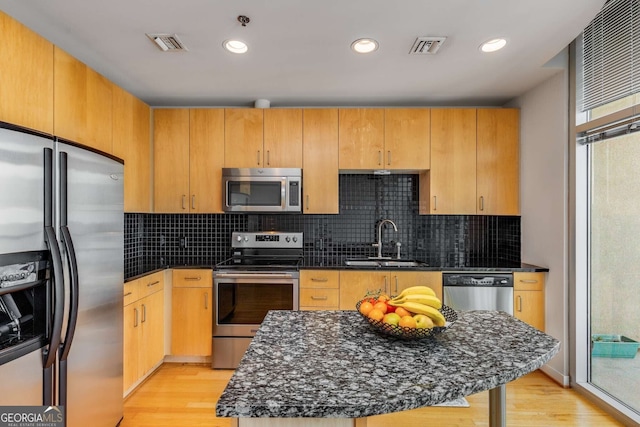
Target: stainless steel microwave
(262,190)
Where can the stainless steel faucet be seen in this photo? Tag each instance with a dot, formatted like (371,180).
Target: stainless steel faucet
(379,244)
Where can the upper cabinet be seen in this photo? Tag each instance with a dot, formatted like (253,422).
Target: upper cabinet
(26,79)
(187,157)
(474,163)
(392,138)
(263,138)
(320,161)
(498,161)
(82,103)
(132,143)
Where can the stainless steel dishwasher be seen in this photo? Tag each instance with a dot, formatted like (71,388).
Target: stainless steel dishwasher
(478,291)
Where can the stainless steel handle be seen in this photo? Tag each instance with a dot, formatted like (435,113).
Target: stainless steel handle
(268,157)
(206,300)
(319,279)
(144,313)
(519,303)
(379,157)
(253,276)
(435,203)
(153,283)
(323,298)
(258,158)
(528,281)
(193,278)
(389,158)
(396,291)
(127,294)
(135,317)
(386,285)
(184,199)
(481,203)
(193,201)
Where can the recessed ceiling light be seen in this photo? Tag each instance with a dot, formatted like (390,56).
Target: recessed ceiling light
(235,46)
(364,45)
(493,45)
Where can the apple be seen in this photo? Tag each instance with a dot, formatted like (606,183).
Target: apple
(391,318)
(423,321)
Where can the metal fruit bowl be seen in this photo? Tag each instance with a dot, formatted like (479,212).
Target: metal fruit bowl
(449,314)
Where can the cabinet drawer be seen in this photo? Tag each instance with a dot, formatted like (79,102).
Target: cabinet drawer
(319,297)
(326,279)
(528,281)
(131,292)
(192,278)
(151,283)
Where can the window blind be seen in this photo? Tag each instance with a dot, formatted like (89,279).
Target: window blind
(611,54)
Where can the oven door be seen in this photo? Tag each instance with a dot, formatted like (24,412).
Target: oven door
(242,300)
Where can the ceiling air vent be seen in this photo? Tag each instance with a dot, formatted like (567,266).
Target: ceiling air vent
(167,42)
(426,45)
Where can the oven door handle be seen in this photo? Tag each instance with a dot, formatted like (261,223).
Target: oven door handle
(253,275)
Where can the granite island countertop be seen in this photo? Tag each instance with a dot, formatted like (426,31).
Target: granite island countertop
(332,364)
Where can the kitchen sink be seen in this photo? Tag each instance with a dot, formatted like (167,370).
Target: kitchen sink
(383,262)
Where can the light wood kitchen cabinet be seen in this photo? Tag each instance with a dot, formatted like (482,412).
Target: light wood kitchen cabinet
(320,161)
(407,138)
(528,298)
(498,161)
(263,138)
(192,315)
(82,103)
(143,340)
(26,80)
(187,160)
(361,138)
(355,284)
(132,143)
(319,289)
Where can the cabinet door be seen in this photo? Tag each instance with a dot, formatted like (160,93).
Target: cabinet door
(152,321)
(243,137)
(206,153)
(171,160)
(407,138)
(361,138)
(528,298)
(82,103)
(453,161)
(400,280)
(320,161)
(26,79)
(283,138)
(131,346)
(354,285)
(498,161)
(132,143)
(191,323)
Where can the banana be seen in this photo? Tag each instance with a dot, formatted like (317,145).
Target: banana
(417,290)
(418,308)
(429,300)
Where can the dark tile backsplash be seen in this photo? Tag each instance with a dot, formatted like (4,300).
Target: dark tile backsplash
(157,240)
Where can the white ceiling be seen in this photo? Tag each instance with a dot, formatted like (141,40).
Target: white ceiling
(299,50)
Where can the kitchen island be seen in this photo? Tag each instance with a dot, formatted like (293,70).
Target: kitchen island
(330,368)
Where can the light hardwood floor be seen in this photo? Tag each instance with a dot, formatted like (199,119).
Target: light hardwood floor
(185,395)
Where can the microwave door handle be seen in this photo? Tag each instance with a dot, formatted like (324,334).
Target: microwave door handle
(284,193)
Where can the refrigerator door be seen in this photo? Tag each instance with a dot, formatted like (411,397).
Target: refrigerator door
(95,214)
(21,230)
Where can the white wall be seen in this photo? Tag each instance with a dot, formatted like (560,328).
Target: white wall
(544,201)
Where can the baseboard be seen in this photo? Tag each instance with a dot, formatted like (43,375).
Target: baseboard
(169,358)
(559,377)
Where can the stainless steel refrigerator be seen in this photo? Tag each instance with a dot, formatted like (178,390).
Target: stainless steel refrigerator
(63,206)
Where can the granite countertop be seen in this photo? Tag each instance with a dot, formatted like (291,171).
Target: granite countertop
(328,364)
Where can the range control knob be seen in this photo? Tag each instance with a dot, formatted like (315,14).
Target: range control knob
(288,239)
(239,238)
(295,239)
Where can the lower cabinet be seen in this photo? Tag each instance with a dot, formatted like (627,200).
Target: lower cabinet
(528,298)
(143,341)
(191,312)
(319,289)
(355,284)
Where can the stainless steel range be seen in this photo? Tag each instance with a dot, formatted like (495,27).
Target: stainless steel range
(262,275)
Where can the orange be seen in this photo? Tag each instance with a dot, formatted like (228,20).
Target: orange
(365,307)
(382,306)
(407,322)
(376,314)
(383,297)
(402,312)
